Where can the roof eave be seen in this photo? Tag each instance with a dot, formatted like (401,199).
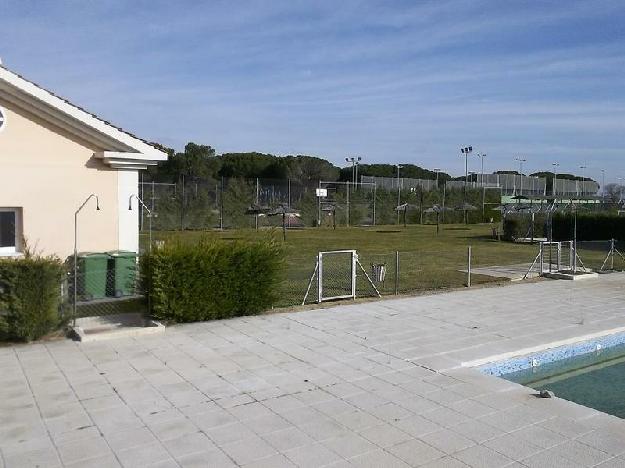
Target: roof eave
(24,92)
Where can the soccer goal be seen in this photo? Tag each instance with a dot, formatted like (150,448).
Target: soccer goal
(335,272)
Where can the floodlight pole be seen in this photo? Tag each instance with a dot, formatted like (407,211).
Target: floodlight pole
(521,161)
(398,191)
(555,178)
(355,162)
(583,178)
(97,207)
(482,156)
(437,170)
(466,150)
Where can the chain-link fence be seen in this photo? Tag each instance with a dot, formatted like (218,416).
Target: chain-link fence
(391,273)
(236,203)
(601,256)
(110,283)
(104,284)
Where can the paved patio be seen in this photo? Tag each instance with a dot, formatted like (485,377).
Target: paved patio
(366,385)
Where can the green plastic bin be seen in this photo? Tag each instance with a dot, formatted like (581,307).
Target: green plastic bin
(92,275)
(122,272)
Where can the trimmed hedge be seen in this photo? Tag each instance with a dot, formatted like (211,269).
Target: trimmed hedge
(30,297)
(590,226)
(211,279)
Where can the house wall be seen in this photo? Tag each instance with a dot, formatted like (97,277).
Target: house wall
(49,173)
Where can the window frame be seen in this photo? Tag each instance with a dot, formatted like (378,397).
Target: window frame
(16,248)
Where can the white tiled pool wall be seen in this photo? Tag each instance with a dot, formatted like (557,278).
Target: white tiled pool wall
(528,361)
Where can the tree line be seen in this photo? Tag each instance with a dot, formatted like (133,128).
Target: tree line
(201,162)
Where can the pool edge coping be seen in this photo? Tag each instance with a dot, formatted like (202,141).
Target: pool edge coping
(539,348)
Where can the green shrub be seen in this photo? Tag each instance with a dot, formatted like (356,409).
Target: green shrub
(518,226)
(30,297)
(211,279)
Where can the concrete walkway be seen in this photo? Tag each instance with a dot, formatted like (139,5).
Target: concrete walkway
(367,385)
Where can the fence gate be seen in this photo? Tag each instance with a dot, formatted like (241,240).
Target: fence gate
(336,276)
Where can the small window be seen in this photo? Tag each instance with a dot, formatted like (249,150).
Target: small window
(3,118)
(9,230)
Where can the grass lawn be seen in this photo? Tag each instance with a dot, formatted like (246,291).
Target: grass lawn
(427,261)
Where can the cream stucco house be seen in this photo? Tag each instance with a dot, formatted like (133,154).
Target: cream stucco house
(53,155)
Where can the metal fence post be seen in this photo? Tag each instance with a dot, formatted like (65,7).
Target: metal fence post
(221,204)
(612,254)
(396,272)
(375,187)
(319,277)
(469,267)
(354,260)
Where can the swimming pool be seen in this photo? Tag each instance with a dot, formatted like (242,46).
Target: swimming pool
(591,373)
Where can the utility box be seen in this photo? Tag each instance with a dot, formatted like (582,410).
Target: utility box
(122,266)
(92,271)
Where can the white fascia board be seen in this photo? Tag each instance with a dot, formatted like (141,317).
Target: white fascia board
(135,161)
(82,116)
(124,156)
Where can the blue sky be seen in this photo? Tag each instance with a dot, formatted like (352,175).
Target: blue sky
(391,81)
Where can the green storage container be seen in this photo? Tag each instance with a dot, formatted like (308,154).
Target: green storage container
(92,275)
(122,273)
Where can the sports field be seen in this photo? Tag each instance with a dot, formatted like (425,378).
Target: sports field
(427,261)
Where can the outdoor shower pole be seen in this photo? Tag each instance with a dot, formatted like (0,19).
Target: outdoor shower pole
(97,207)
(143,205)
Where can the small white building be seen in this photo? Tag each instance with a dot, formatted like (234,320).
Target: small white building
(53,155)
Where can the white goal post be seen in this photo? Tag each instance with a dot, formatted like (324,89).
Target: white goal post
(335,271)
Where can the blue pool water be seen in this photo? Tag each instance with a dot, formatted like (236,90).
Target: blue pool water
(595,379)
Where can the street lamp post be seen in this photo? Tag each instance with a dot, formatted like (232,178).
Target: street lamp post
(602,186)
(466,151)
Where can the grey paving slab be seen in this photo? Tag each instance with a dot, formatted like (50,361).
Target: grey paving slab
(375,384)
